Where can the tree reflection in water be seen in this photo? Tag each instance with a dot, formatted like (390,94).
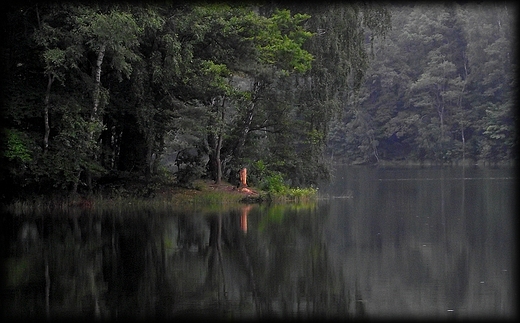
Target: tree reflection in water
(278,267)
(252,262)
(434,242)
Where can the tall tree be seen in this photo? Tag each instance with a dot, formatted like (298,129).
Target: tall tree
(233,43)
(344,36)
(114,32)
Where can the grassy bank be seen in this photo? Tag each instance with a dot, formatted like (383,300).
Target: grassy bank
(292,195)
(204,196)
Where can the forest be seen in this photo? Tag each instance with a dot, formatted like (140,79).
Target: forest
(101,92)
(440,87)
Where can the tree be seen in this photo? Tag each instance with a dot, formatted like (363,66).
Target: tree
(340,60)
(114,33)
(429,84)
(232,44)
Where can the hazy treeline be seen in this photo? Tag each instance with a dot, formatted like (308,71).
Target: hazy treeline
(440,87)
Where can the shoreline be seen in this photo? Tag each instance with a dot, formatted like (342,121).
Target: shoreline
(205,195)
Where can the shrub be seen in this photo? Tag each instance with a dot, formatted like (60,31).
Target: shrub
(274,184)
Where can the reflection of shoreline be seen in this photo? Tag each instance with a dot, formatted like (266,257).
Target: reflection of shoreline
(243,217)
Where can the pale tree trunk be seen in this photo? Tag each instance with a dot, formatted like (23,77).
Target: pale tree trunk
(50,80)
(462,111)
(97,80)
(46,108)
(440,112)
(95,109)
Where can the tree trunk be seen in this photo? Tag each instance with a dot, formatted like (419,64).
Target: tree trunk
(211,149)
(74,189)
(245,130)
(462,110)
(218,147)
(463,146)
(440,112)
(50,79)
(218,160)
(97,80)
(94,116)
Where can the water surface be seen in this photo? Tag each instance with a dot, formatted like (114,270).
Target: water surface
(426,242)
(394,242)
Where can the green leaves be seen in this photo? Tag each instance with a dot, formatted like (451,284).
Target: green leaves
(251,82)
(218,75)
(54,57)
(17,149)
(281,39)
(117,30)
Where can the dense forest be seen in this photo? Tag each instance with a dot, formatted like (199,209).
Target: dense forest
(439,87)
(98,92)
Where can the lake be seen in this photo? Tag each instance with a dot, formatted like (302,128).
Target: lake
(379,243)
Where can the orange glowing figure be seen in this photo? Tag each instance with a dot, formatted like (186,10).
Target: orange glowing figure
(243,177)
(243,217)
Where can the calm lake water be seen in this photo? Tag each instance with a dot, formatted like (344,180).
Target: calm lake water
(380,242)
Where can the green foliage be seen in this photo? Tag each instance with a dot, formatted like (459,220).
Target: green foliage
(138,83)
(17,147)
(280,42)
(276,186)
(118,30)
(261,175)
(274,183)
